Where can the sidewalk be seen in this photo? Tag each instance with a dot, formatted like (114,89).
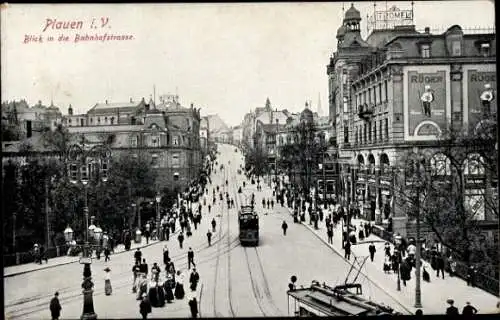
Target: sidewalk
(58,261)
(433,294)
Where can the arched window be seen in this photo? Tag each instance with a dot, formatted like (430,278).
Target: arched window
(473,165)
(440,165)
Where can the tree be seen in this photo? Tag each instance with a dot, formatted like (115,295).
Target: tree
(463,157)
(303,155)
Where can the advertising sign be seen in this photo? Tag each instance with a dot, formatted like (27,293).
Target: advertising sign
(426,102)
(480,94)
(388,19)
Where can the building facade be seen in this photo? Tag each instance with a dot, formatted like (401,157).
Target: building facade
(396,93)
(167,134)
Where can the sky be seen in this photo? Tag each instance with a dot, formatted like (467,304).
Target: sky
(223,58)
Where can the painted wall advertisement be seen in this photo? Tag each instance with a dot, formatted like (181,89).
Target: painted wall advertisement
(481,94)
(426,102)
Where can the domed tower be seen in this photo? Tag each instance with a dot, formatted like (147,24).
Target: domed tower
(306,115)
(352,19)
(340,34)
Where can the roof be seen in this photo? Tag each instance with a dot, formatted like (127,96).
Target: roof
(122,107)
(269,128)
(155,118)
(352,13)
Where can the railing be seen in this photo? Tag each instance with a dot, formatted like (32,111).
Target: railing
(29,257)
(483,281)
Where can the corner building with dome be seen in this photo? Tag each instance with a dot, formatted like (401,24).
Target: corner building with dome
(394,97)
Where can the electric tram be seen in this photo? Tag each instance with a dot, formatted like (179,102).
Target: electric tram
(322,300)
(248,222)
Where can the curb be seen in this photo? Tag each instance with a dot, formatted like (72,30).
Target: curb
(65,263)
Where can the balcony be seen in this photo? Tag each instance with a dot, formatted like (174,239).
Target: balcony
(365,112)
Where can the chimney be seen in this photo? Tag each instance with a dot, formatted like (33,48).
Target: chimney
(191,105)
(131,100)
(106,101)
(70,110)
(427,30)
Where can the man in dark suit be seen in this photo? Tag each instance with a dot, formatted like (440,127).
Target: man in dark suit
(451,310)
(144,267)
(55,307)
(372,250)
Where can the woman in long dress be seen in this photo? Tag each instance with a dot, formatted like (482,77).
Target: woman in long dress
(168,285)
(153,294)
(179,286)
(107,282)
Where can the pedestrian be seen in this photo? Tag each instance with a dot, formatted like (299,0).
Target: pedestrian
(179,286)
(272,204)
(440,265)
(166,258)
(347,249)
(405,270)
(209,208)
(193,279)
(190,255)
(387,264)
(147,233)
(451,310)
(453,265)
(136,269)
(55,307)
(209,237)
(263,203)
(155,272)
(144,267)
(361,233)
(469,310)
(419,313)
(193,306)
(471,276)
(138,255)
(284,226)
(367,229)
(387,249)
(106,254)
(425,275)
(213,224)
(168,286)
(372,250)
(145,306)
(107,282)
(329,233)
(142,286)
(180,238)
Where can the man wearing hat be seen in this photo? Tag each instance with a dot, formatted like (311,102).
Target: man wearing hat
(451,310)
(55,307)
(469,310)
(145,306)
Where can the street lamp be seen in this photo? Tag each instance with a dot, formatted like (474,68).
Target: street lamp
(158,199)
(80,171)
(417,180)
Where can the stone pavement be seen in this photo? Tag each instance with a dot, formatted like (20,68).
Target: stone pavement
(434,294)
(57,261)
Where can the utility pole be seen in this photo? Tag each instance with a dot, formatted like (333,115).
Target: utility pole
(47,238)
(418,293)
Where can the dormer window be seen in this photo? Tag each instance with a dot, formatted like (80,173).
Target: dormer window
(485,49)
(456,48)
(425,50)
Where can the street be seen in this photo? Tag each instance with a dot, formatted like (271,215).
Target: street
(234,280)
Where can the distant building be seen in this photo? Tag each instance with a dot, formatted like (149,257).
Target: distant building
(168,134)
(30,121)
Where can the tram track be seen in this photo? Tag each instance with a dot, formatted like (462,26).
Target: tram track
(24,306)
(260,285)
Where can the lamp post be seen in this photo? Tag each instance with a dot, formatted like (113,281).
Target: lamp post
(80,171)
(417,180)
(158,199)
